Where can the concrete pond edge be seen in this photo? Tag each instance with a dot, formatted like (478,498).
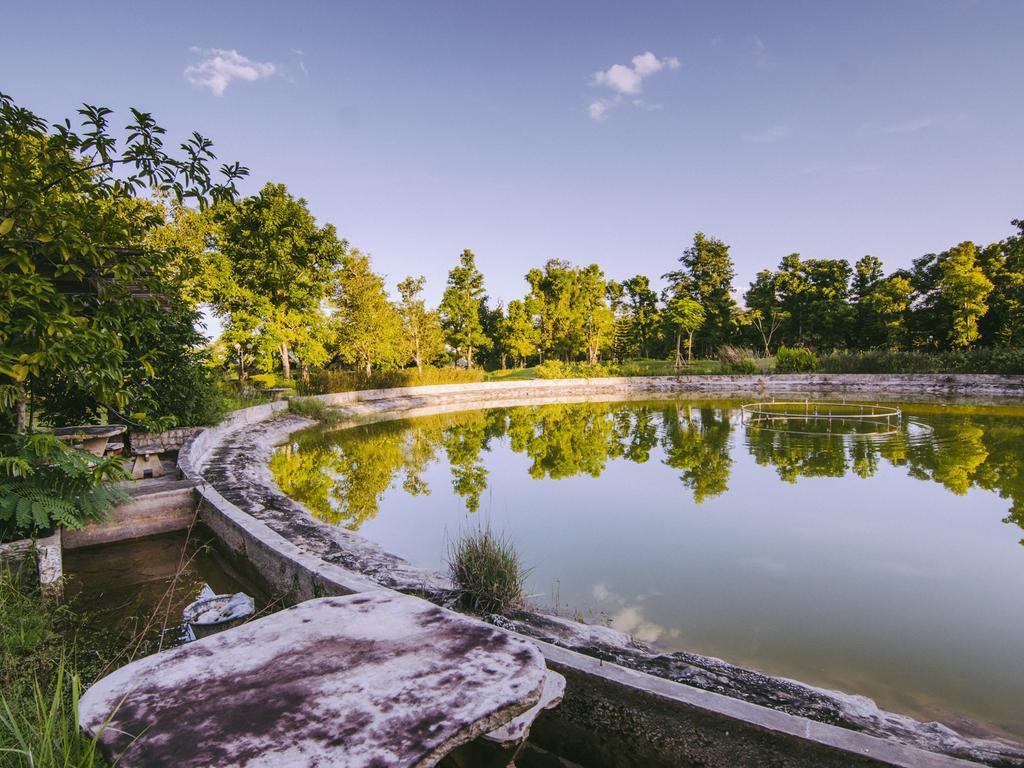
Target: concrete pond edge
(639,718)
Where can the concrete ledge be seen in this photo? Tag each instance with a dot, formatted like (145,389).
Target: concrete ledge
(47,555)
(612,716)
(154,508)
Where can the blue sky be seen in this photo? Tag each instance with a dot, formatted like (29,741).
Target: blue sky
(833,129)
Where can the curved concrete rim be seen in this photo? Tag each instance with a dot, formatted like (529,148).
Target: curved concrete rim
(321,577)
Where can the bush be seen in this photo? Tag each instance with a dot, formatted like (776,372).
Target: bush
(486,570)
(556,369)
(747,367)
(323,382)
(795,360)
(738,360)
(270,380)
(999,361)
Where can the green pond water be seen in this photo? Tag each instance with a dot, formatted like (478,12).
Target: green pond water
(879,560)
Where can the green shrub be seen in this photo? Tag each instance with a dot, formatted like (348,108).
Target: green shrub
(487,572)
(551,369)
(323,382)
(795,360)
(556,369)
(46,483)
(270,380)
(738,360)
(747,367)
(999,361)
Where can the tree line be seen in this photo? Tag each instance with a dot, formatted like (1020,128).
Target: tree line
(290,289)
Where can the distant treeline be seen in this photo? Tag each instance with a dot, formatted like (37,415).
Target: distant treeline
(323,306)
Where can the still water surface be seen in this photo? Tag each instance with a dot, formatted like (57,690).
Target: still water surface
(889,565)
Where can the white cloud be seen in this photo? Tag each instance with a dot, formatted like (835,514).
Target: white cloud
(597,109)
(627,80)
(220,67)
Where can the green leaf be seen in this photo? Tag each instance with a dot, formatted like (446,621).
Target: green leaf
(6,225)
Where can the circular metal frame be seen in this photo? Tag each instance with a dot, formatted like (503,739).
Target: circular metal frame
(767,413)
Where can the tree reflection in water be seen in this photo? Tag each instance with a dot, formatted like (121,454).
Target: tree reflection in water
(342,475)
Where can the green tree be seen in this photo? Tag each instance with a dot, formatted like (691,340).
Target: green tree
(368,328)
(686,316)
(706,275)
(867,325)
(460,308)
(889,302)
(281,262)
(965,288)
(422,327)
(595,318)
(641,313)
(517,335)
(1003,265)
(764,311)
(80,289)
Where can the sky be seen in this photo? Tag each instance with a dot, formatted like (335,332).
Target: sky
(604,132)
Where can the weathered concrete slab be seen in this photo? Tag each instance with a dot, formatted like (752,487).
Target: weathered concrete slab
(154,507)
(375,679)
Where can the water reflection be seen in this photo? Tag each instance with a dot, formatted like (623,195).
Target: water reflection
(342,475)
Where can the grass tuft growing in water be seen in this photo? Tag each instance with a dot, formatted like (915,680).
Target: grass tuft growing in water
(487,571)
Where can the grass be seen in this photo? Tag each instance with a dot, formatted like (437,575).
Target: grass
(641,367)
(312,408)
(487,571)
(39,687)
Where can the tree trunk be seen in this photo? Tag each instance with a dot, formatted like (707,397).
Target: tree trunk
(286,363)
(369,368)
(503,361)
(689,348)
(469,357)
(679,359)
(21,410)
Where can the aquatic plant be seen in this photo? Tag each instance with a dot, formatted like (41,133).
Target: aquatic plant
(487,571)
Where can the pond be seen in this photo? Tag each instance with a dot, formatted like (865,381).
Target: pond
(877,559)
(129,595)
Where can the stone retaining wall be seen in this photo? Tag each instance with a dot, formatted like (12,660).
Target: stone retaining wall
(612,716)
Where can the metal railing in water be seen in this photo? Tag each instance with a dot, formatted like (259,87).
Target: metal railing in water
(822,413)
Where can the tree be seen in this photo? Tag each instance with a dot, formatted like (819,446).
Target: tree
(595,317)
(867,276)
(765,313)
(460,308)
(572,311)
(517,335)
(80,289)
(281,267)
(814,294)
(641,312)
(889,301)
(422,327)
(1003,265)
(706,276)
(368,327)
(965,288)
(687,316)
